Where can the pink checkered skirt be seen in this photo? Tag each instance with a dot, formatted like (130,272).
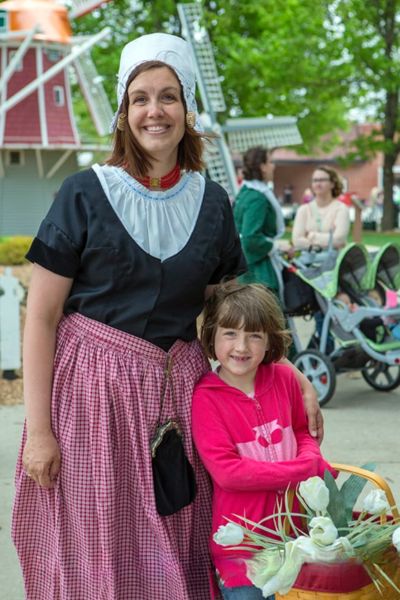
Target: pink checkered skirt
(97,534)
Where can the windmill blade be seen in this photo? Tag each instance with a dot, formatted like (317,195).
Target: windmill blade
(82,7)
(271,133)
(217,157)
(47,75)
(94,93)
(242,133)
(220,165)
(203,55)
(18,56)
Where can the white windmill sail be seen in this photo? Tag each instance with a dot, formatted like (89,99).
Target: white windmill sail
(73,56)
(94,93)
(206,69)
(242,133)
(82,7)
(17,57)
(268,132)
(218,159)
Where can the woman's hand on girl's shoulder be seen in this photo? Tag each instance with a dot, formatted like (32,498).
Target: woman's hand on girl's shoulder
(314,414)
(311,404)
(42,458)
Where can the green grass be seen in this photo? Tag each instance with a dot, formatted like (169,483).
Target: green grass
(369,238)
(373,238)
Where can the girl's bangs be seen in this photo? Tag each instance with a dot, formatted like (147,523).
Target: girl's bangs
(236,316)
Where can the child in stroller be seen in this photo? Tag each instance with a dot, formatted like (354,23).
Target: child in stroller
(372,327)
(356,321)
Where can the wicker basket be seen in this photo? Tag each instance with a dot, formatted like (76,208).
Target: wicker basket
(366,593)
(369,591)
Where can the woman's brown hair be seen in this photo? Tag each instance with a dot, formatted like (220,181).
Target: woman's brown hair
(252,159)
(334,178)
(253,307)
(127,151)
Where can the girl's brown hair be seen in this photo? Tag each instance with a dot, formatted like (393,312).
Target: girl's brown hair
(253,307)
(334,178)
(128,153)
(252,159)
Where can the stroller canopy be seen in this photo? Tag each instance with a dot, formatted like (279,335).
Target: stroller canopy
(353,270)
(385,268)
(347,269)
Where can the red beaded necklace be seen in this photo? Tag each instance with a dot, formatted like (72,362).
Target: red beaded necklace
(164,182)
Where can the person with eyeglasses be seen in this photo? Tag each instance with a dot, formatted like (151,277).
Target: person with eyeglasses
(315,221)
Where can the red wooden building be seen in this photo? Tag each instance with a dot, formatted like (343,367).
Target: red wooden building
(39,137)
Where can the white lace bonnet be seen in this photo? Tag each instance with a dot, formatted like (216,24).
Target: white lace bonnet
(169,49)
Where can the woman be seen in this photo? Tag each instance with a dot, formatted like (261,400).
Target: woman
(323,221)
(259,219)
(123,261)
(324,216)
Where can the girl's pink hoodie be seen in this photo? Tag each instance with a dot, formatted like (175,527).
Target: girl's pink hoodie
(253,449)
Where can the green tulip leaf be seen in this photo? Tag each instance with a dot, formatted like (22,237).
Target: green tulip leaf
(335,509)
(352,488)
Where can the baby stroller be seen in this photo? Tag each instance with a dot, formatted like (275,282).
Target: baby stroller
(316,282)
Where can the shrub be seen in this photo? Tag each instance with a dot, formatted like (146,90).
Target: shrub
(13,250)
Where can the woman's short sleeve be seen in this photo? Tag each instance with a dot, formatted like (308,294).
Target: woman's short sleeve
(232,261)
(60,239)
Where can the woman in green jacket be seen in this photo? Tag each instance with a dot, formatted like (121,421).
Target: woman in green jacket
(259,219)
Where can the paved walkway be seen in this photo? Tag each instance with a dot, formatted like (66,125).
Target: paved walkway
(361,426)
(11,420)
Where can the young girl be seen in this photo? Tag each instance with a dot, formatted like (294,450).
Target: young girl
(248,419)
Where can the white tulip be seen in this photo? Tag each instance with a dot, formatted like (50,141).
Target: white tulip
(341,549)
(229,535)
(263,566)
(315,493)
(375,503)
(396,539)
(306,548)
(284,579)
(323,531)
(297,552)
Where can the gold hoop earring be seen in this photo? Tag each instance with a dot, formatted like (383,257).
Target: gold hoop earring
(190,119)
(121,121)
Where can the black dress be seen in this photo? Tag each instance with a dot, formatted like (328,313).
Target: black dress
(115,281)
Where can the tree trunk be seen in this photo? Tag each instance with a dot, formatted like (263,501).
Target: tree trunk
(389,209)
(391,114)
(389,157)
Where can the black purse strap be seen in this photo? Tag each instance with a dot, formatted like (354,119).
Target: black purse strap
(167,377)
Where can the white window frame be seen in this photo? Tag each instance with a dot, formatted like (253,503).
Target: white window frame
(59,95)
(21,162)
(53,55)
(4,14)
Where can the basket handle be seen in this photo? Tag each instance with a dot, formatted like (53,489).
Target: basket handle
(375,479)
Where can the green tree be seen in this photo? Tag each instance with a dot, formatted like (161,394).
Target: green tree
(272,56)
(281,57)
(371,46)
(312,60)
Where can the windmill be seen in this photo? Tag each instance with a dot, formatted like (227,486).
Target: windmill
(39,138)
(241,133)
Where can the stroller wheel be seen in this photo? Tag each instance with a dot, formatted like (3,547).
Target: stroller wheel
(319,370)
(380,376)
